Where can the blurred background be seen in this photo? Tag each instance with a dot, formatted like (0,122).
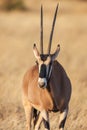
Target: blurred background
(19,29)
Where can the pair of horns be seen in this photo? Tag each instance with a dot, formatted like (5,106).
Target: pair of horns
(52,30)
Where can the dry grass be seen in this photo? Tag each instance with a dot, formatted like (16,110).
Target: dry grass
(18,32)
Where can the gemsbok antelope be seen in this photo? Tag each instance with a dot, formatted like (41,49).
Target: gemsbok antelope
(46,86)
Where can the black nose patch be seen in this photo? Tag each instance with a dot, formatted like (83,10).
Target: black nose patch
(42,73)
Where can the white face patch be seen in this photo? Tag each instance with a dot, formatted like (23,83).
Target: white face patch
(42,82)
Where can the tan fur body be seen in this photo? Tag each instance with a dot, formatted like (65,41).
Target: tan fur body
(42,99)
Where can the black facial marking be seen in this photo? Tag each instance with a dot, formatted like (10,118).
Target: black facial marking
(44,57)
(42,73)
(62,123)
(46,124)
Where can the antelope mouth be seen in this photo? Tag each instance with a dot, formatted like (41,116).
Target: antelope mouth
(42,82)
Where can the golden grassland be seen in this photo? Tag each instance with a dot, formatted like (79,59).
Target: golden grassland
(18,31)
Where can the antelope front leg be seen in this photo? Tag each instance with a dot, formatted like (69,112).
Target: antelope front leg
(62,120)
(45,117)
(38,122)
(28,113)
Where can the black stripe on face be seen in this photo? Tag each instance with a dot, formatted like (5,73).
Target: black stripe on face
(46,124)
(62,123)
(42,73)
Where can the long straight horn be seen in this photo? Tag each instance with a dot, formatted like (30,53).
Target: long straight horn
(41,33)
(52,30)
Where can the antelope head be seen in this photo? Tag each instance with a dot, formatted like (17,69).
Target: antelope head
(45,60)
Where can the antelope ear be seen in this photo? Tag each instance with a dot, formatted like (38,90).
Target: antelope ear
(36,52)
(53,56)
